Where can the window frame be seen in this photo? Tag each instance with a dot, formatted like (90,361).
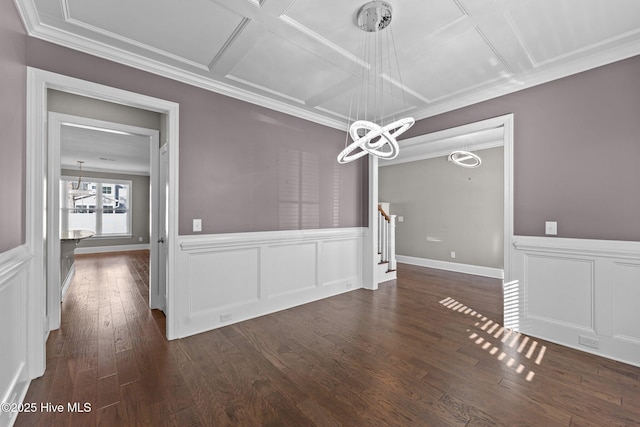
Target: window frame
(99,208)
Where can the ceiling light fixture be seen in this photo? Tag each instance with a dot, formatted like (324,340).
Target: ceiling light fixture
(466,159)
(76,189)
(79,184)
(374,128)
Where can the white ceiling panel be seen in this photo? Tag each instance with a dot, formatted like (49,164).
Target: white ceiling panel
(165,25)
(281,67)
(339,26)
(461,64)
(352,103)
(553,29)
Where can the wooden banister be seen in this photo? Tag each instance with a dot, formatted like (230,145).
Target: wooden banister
(384,214)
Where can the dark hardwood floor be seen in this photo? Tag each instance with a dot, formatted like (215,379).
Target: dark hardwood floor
(428,350)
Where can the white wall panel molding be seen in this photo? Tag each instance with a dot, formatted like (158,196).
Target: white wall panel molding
(580,247)
(14,378)
(12,263)
(579,293)
(233,277)
(212,241)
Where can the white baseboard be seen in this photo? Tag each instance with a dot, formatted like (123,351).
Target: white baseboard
(115,248)
(67,282)
(476,270)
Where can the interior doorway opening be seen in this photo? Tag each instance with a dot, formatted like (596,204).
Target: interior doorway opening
(39,191)
(116,189)
(441,143)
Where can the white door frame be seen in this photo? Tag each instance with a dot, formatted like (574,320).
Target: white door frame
(38,236)
(56,121)
(434,138)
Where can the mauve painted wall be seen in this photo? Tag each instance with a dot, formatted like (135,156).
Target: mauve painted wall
(13,78)
(233,155)
(576,151)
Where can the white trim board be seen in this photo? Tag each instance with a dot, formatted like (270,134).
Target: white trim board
(67,282)
(114,248)
(476,270)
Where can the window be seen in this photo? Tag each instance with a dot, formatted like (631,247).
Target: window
(108,215)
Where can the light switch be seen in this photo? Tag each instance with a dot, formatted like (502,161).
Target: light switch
(197,225)
(400,219)
(551,228)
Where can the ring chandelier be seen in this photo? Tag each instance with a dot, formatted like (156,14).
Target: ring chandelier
(369,137)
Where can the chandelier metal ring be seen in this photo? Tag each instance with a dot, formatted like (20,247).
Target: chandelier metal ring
(386,135)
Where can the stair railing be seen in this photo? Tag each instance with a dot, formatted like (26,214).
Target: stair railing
(387,238)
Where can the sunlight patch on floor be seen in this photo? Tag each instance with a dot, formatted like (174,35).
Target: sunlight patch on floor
(497,337)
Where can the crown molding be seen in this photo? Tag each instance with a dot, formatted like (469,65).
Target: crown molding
(546,75)
(35,29)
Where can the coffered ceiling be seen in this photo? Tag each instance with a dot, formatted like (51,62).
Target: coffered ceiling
(301,56)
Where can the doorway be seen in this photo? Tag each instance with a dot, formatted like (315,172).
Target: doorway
(116,177)
(441,143)
(39,236)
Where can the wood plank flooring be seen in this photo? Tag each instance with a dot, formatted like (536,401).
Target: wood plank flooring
(425,350)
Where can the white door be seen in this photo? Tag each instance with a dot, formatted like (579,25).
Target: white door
(163,227)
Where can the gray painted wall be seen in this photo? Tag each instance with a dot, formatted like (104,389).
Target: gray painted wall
(140,210)
(13,77)
(236,159)
(448,208)
(576,151)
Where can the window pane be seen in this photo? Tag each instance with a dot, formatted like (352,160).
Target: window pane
(102,207)
(79,205)
(114,222)
(115,213)
(82,219)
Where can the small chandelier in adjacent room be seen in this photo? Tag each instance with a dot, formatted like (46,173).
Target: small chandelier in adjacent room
(373,125)
(79,184)
(76,189)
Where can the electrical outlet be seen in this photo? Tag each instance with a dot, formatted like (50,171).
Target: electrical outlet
(139,239)
(197,225)
(588,342)
(453,254)
(225,317)
(551,228)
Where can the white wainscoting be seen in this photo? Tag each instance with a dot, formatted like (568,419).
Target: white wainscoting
(14,379)
(226,278)
(573,288)
(477,270)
